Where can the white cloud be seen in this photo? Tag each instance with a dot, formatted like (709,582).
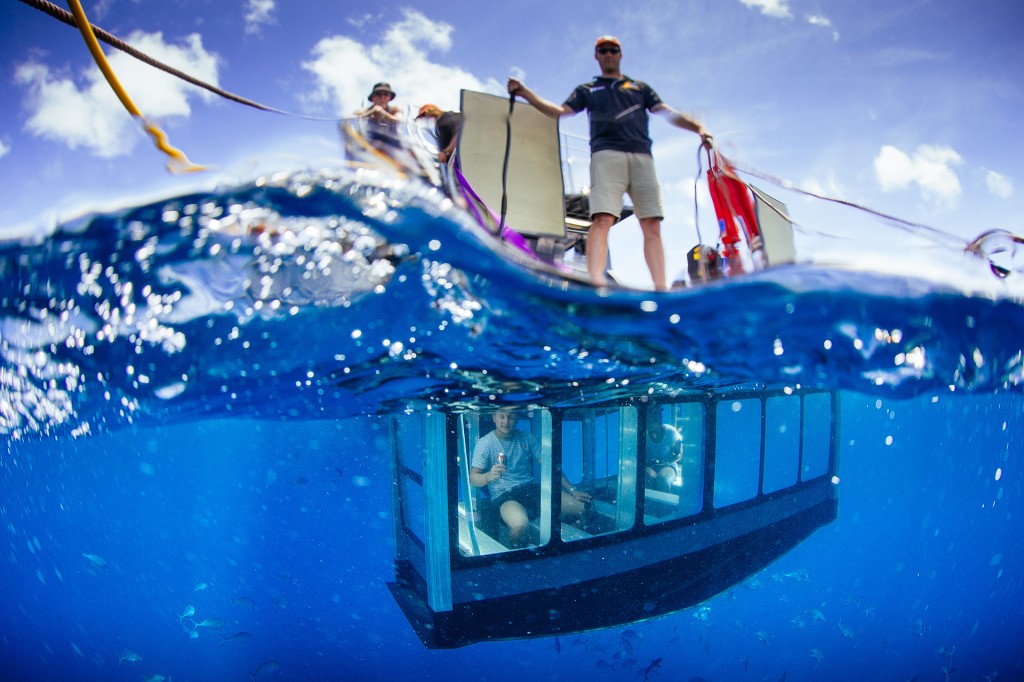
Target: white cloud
(101,8)
(930,168)
(892,57)
(346,69)
(998,184)
(259,13)
(4,149)
(90,116)
(824,22)
(829,187)
(771,8)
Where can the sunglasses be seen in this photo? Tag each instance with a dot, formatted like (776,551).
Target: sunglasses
(381,93)
(608,50)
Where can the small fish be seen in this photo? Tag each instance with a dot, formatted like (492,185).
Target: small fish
(817,655)
(95,560)
(948,671)
(237,637)
(799,623)
(763,637)
(200,587)
(631,635)
(189,611)
(558,646)
(244,601)
(265,668)
(815,614)
(654,666)
(301,480)
(128,656)
(801,576)
(703,613)
(847,632)
(155,678)
(919,629)
(209,623)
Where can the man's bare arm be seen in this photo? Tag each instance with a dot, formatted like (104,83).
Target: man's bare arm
(681,120)
(546,107)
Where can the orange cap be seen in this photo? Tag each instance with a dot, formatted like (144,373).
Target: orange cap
(607,40)
(431,110)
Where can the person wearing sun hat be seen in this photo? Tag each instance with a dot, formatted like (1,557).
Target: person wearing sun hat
(620,151)
(381,118)
(380,108)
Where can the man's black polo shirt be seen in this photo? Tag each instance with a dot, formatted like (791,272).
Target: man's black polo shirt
(618,113)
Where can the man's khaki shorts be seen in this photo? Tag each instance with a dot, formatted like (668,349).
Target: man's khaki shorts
(614,173)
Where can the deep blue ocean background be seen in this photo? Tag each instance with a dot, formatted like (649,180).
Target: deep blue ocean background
(206,449)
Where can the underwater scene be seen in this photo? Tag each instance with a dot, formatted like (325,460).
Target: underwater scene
(196,484)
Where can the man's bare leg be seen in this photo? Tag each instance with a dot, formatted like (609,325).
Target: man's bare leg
(654,252)
(515,517)
(597,248)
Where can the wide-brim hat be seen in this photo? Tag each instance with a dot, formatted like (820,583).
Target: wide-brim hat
(381,86)
(607,40)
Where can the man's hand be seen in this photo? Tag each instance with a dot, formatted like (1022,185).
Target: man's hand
(707,139)
(581,495)
(495,473)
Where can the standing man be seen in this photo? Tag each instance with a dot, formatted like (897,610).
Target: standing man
(620,154)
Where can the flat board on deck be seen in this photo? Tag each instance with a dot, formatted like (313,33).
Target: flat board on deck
(535,194)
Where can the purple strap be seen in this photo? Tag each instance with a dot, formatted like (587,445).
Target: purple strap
(474,201)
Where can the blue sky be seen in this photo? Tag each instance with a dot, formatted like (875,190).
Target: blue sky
(910,107)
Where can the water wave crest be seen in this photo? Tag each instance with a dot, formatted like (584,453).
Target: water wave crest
(330,294)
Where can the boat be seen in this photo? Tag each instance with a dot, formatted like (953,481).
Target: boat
(758,476)
(759,468)
(508,177)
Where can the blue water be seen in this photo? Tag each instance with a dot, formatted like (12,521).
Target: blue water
(189,411)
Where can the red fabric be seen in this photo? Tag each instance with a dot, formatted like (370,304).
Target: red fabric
(732,200)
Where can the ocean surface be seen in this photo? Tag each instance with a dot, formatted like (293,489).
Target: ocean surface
(194,483)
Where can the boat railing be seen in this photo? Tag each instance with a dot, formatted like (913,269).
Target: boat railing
(575,151)
(409,147)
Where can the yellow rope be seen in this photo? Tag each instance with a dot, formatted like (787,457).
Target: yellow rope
(177,162)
